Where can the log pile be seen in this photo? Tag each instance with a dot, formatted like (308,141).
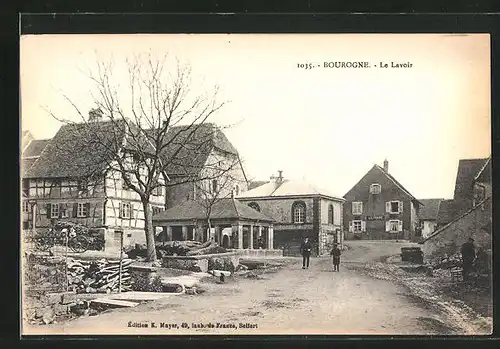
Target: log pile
(101,276)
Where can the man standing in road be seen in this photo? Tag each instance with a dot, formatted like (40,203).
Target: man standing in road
(468,255)
(305,249)
(336,257)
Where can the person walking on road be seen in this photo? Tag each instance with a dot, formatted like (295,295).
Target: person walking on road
(305,249)
(336,257)
(468,252)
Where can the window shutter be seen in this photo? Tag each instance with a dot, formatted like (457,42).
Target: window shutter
(87,208)
(400,225)
(401,207)
(360,208)
(350,227)
(388,207)
(132,211)
(353,210)
(75,210)
(387,226)
(120,210)
(363,226)
(49,207)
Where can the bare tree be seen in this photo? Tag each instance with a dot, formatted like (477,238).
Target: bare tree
(220,182)
(133,130)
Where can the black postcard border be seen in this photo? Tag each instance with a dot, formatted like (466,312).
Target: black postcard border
(246,23)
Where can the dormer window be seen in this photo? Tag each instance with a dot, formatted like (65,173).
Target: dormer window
(375,188)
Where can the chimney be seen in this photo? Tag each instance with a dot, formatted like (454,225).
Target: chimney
(280,176)
(386,166)
(95,114)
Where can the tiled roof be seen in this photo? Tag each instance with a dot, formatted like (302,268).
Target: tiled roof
(73,152)
(35,148)
(286,188)
(430,209)
(388,175)
(255,184)
(226,208)
(191,145)
(446,212)
(32,153)
(468,169)
(458,217)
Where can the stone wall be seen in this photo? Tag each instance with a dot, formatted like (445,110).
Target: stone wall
(448,240)
(220,261)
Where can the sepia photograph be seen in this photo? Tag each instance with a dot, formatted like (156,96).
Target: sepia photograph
(255,184)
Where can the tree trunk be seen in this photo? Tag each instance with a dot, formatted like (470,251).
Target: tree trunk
(149,231)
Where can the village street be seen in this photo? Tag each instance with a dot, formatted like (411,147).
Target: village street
(292,300)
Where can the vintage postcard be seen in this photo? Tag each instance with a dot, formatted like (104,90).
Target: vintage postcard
(256,184)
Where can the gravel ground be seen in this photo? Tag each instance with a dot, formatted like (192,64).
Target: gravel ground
(365,297)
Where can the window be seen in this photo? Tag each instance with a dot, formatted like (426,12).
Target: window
(214,186)
(156,210)
(299,212)
(394,225)
(26,187)
(394,207)
(357,208)
(54,210)
(125,209)
(236,189)
(124,185)
(330,214)
(26,207)
(158,191)
(375,188)
(82,210)
(357,226)
(255,206)
(63,210)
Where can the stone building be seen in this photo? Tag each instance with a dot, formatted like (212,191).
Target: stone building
(379,207)
(299,210)
(468,214)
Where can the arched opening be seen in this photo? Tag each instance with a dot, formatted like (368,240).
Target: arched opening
(225,241)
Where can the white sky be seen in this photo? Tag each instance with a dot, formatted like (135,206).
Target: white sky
(327,126)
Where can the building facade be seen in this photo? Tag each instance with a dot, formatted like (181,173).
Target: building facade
(428,216)
(299,210)
(469,214)
(378,207)
(60,181)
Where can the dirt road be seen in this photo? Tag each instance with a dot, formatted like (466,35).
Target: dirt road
(293,300)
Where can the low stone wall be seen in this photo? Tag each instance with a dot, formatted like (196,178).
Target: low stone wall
(202,263)
(259,253)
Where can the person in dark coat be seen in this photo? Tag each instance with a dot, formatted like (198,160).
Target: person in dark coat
(305,249)
(336,257)
(468,252)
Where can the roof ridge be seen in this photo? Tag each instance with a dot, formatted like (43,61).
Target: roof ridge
(233,199)
(482,168)
(437,232)
(391,177)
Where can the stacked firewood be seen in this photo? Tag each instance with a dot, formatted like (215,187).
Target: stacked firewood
(101,276)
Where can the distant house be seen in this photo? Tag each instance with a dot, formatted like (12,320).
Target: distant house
(207,149)
(299,210)
(469,214)
(26,138)
(428,215)
(379,207)
(28,157)
(472,184)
